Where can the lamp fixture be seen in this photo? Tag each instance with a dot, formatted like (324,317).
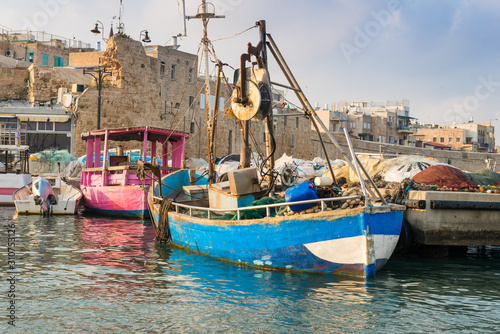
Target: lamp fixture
(146,38)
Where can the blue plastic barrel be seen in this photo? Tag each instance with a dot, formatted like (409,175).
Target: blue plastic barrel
(301,192)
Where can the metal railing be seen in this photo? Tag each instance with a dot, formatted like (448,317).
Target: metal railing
(268,207)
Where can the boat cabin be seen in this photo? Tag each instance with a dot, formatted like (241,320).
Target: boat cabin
(121,169)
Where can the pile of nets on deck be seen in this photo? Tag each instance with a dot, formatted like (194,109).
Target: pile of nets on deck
(294,171)
(389,170)
(50,161)
(484,177)
(444,176)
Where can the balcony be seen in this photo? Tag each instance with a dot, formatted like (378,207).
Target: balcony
(406,129)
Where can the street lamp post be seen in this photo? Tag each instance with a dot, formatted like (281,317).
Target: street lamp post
(98,73)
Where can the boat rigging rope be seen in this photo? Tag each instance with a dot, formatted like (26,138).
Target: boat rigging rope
(244,31)
(163,230)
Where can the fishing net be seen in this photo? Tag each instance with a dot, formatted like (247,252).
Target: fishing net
(50,161)
(389,170)
(484,177)
(444,176)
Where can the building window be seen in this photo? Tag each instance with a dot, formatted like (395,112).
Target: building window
(45,59)
(162,69)
(458,140)
(296,122)
(230,142)
(352,125)
(30,56)
(293,141)
(58,61)
(191,127)
(177,105)
(160,92)
(285,121)
(45,126)
(434,139)
(392,139)
(63,126)
(441,139)
(450,140)
(190,78)
(172,74)
(191,101)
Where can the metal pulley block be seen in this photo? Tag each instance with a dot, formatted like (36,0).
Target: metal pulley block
(258,101)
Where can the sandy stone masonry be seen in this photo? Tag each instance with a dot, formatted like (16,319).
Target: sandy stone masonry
(13,83)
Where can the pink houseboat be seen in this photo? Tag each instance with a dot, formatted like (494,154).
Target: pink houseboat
(115,184)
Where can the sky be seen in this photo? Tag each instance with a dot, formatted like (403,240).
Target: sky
(443,56)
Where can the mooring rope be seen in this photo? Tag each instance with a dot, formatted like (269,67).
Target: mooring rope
(163,230)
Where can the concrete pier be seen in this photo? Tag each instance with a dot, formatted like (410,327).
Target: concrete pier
(455,218)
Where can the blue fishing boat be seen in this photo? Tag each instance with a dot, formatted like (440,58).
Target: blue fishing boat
(356,241)
(352,233)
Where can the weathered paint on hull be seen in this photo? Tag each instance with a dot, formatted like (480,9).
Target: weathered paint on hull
(355,243)
(61,208)
(9,183)
(123,201)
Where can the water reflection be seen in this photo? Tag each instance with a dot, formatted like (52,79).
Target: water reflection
(93,274)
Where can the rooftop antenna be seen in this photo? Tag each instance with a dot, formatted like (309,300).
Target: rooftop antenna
(205,14)
(184,17)
(121,26)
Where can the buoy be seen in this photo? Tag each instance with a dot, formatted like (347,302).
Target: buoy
(323,181)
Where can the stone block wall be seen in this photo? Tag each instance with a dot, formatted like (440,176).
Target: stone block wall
(13,83)
(45,81)
(85,58)
(469,161)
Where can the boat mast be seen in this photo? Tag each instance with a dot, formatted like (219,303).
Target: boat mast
(205,16)
(269,119)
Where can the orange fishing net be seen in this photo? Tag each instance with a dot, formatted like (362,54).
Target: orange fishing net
(444,176)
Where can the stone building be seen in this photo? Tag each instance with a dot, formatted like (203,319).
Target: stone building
(456,138)
(477,137)
(383,122)
(159,86)
(40,48)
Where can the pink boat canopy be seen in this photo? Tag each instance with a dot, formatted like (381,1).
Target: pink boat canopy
(171,142)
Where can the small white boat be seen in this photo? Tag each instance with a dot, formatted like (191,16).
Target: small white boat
(14,170)
(47,194)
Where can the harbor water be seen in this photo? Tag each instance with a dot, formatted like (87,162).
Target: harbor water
(86,274)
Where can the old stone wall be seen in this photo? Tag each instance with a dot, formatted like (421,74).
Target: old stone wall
(45,81)
(129,96)
(85,58)
(469,161)
(13,82)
